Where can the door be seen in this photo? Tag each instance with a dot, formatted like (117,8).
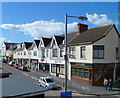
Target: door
(57,70)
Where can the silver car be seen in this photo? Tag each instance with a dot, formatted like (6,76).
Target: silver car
(47,82)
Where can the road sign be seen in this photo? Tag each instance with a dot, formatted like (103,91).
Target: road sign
(66,95)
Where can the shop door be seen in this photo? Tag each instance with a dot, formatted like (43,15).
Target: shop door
(98,77)
(57,70)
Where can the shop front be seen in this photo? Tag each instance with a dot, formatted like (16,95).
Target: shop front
(34,64)
(91,73)
(44,67)
(58,69)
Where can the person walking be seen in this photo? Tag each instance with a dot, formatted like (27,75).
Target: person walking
(105,83)
(110,84)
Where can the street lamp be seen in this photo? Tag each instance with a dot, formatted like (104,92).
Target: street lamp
(66,55)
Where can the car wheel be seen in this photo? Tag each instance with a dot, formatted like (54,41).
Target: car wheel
(46,87)
(39,83)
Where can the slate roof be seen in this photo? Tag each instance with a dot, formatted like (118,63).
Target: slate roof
(9,44)
(14,87)
(28,44)
(46,41)
(59,39)
(37,42)
(70,36)
(90,35)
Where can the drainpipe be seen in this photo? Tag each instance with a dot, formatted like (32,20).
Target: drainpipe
(114,73)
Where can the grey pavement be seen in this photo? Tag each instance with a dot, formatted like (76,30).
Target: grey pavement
(79,87)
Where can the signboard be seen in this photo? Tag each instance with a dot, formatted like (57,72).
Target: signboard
(66,95)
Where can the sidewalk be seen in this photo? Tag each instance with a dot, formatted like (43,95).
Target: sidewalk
(77,86)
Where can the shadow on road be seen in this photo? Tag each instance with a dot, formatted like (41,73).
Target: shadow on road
(58,88)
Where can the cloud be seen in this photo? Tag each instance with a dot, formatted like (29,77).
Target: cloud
(41,28)
(100,20)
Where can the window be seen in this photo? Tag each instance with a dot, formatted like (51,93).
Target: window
(35,53)
(47,52)
(61,52)
(18,53)
(53,68)
(42,53)
(62,69)
(55,52)
(29,52)
(24,52)
(98,52)
(21,53)
(72,52)
(117,53)
(83,52)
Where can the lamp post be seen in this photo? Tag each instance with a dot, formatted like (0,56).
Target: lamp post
(66,55)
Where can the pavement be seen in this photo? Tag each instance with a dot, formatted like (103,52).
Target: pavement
(78,87)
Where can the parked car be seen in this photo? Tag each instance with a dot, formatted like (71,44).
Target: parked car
(22,68)
(11,63)
(16,65)
(47,82)
(4,61)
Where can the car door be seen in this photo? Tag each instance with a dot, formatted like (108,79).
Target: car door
(44,82)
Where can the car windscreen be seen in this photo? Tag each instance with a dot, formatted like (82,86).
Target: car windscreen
(49,80)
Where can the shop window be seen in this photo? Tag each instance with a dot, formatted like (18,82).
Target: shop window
(98,75)
(83,52)
(62,69)
(53,68)
(72,52)
(98,52)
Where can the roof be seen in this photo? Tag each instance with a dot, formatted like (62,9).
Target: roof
(46,41)
(28,44)
(59,39)
(9,44)
(70,36)
(37,42)
(16,86)
(90,35)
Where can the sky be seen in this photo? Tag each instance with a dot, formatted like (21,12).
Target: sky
(26,21)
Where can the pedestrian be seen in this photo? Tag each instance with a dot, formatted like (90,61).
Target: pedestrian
(110,84)
(105,83)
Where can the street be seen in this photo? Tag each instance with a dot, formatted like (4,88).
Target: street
(33,76)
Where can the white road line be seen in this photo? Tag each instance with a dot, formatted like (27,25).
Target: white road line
(25,74)
(34,78)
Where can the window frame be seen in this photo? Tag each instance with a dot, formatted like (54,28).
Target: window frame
(34,53)
(81,51)
(98,48)
(55,50)
(72,52)
(117,52)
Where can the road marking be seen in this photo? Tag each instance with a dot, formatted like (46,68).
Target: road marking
(34,78)
(25,74)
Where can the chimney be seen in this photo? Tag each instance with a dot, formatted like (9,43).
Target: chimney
(82,28)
